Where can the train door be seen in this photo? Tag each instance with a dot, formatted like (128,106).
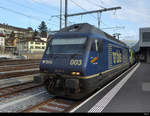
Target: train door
(95,55)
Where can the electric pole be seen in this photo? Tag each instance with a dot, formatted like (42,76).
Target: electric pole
(60,14)
(99,19)
(66,12)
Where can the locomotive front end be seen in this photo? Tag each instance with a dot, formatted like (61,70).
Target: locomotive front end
(62,63)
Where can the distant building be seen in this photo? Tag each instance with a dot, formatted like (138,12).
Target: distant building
(31,45)
(2,39)
(19,32)
(13,34)
(2,42)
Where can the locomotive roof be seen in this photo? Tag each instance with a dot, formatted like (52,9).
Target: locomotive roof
(85,27)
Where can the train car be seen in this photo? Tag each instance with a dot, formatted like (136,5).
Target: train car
(132,57)
(81,58)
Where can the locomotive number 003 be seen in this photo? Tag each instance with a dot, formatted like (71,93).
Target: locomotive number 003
(76,62)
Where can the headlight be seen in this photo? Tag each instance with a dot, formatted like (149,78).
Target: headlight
(76,73)
(73,73)
(43,61)
(47,61)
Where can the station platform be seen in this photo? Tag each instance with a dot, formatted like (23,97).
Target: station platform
(130,92)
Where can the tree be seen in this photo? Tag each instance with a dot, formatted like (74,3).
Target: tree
(43,29)
(36,33)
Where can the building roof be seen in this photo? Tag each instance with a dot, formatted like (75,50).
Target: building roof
(6,26)
(33,40)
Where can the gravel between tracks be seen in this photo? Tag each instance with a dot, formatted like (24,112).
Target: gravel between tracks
(24,100)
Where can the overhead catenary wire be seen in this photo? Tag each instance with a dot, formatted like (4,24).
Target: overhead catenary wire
(100,1)
(81,8)
(22,14)
(22,5)
(58,16)
(99,15)
(35,17)
(45,6)
(78,5)
(98,5)
(19,13)
(94,17)
(34,10)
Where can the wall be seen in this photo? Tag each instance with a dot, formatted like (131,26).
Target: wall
(34,56)
(142,42)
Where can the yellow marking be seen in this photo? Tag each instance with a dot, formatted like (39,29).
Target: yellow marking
(76,62)
(92,76)
(88,77)
(117,57)
(94,60)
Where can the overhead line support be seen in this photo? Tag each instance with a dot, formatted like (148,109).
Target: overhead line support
(94,11)
(66,12)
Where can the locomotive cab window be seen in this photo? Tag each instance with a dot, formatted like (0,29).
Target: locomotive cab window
(94,46)
(97,46)
(67,46)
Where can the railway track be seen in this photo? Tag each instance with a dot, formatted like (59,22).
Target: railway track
(51,104)
(22,99)
(18,67)
(12,91)
(54,105)
(14,62)
(63,105)
(20,73)
(19,70)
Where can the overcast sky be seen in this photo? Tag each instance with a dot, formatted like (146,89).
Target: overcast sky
(29,13)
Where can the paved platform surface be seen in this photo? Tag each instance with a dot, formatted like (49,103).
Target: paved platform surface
(134,96)
(129,93)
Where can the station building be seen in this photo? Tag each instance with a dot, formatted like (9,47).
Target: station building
(144,44)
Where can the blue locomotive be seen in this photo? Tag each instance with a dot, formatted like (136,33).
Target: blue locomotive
(81,58)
